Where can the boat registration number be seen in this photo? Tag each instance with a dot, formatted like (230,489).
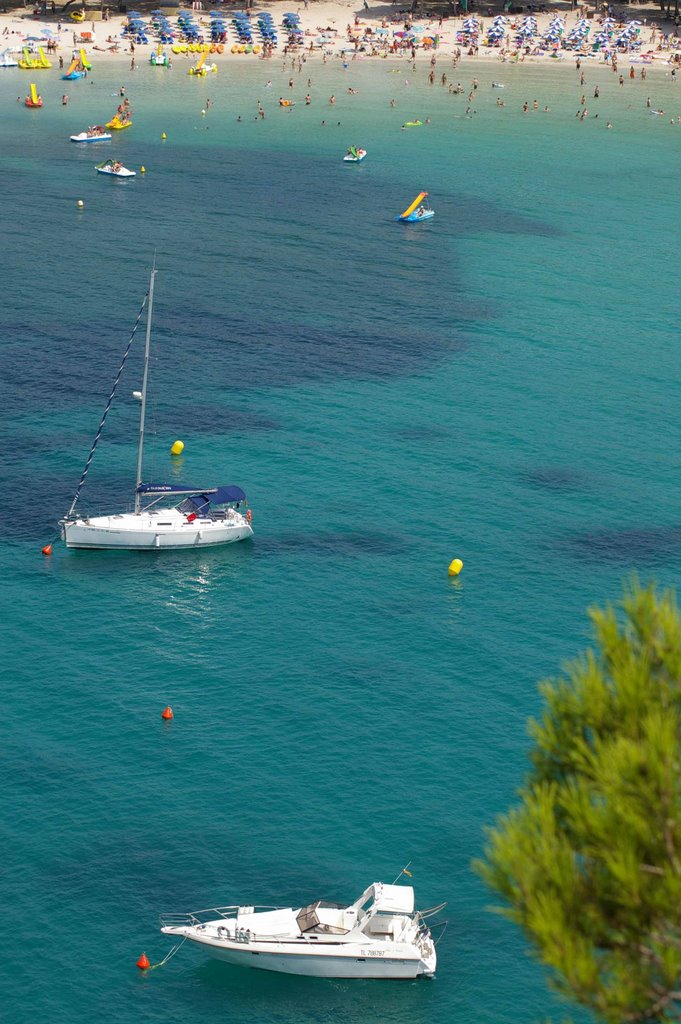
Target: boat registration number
(373,952)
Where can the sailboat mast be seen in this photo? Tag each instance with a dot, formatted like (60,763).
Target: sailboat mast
(145,376)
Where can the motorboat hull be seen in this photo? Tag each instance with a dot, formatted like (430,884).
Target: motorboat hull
(142,533)
(323,965)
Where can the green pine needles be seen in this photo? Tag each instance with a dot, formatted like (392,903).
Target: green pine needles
(589,862)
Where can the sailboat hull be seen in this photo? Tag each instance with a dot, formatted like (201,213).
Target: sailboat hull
(164,529)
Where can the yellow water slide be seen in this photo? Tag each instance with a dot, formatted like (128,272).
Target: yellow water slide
(410,209)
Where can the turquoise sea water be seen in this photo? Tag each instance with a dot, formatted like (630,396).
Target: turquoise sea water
(498,385)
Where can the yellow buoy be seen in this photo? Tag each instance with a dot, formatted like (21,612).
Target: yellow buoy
(80,204)
(143,169)
(455,567)
(177,448)
(164,136)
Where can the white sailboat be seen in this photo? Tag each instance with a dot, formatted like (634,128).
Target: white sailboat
(204,516)
(380,935)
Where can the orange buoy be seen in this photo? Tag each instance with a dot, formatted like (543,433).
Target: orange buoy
(249,516)
(167,713)
(47,550)
(143,962)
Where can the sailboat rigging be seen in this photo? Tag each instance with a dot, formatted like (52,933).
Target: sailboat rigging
(205,516)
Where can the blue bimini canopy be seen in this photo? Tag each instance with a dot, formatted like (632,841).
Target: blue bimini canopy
(212,495)
(201,503)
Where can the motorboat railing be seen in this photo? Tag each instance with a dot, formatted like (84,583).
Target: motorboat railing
(198,917)
(431,911)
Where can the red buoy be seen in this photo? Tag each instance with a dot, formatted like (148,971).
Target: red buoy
(47,550)
(167,714)
(143,962)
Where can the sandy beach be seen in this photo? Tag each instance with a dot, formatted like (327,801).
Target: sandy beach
(339,31)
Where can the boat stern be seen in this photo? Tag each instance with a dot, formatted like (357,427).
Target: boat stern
(428,962)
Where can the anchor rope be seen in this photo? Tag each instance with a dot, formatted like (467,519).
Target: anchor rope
(106,411)
(172,952)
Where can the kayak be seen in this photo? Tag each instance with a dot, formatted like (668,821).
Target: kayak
(85,137)
(355,157)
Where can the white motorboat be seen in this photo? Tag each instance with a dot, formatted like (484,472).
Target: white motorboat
(96,134)
(204,516)
(380,935)
(115,168)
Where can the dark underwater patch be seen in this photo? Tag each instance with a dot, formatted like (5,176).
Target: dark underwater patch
(651,545)
(556,478)
(423,432)
(331,543)
(476,215)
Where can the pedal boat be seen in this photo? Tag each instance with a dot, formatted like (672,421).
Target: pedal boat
(114,169)
(91,136)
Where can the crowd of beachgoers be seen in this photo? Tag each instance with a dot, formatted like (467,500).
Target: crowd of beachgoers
(197,40)
(329,29)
